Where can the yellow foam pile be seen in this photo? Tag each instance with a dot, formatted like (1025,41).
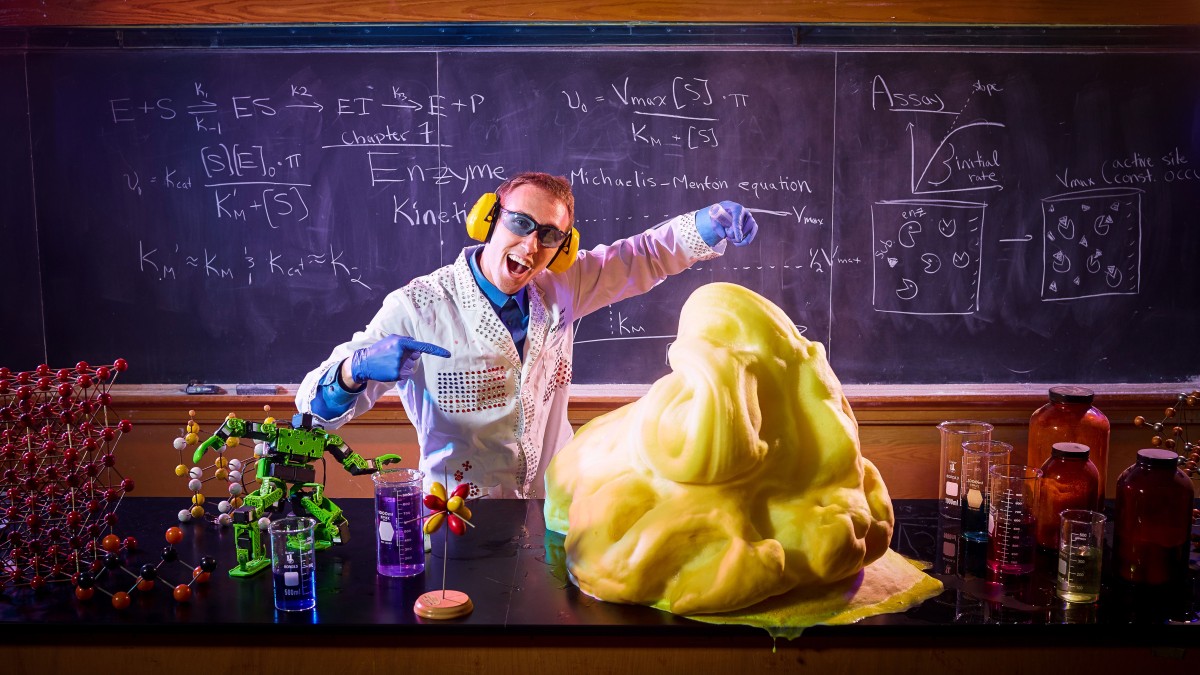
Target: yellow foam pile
(735,479)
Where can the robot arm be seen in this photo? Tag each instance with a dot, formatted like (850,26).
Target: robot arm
(354,463)
(232,427)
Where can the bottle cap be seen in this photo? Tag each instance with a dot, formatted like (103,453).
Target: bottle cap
(1158,458)
(1071,394)
(1070,450)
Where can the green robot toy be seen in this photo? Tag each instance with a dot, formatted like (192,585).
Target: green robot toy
(285,472)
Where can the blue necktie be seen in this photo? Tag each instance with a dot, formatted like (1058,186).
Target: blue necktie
(510,315)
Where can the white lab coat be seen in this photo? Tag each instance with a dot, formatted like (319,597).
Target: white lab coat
(484,405)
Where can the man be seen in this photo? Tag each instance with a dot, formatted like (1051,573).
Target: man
(503,325)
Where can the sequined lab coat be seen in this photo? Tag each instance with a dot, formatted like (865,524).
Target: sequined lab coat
(485,405)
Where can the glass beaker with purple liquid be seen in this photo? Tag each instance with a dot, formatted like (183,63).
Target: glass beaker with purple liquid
(399,542)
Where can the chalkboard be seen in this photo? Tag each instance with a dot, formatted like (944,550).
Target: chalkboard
(23,339)
(929,215)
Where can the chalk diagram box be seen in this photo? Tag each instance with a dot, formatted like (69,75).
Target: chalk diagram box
(927,256)
(1091,243)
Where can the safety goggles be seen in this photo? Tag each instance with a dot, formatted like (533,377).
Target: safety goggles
(521,225)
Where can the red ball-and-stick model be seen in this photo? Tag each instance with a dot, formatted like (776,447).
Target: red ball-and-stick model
(59,482)
(450,509)
(60,486)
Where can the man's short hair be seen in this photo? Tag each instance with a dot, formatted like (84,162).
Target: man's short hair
(555,185)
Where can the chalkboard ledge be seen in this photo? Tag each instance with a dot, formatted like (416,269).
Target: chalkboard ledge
(915,402)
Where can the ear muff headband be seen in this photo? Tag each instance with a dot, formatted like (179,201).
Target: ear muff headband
(482,219)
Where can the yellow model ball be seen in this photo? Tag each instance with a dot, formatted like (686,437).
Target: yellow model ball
(181,470)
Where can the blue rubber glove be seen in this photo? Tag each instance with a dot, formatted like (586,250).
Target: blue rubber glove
(392,359)
(726,220)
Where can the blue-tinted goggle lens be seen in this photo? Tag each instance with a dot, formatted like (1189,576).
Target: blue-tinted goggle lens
(521,225)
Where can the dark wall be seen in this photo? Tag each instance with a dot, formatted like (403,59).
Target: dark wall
(231,215)
(22,340)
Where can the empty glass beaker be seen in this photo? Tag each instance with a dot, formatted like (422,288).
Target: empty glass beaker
(953,434)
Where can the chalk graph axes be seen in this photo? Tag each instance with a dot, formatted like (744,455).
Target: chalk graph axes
(915,182)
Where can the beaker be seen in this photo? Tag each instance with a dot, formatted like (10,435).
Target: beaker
(977,458)
(399,543)
(293,563)
(1080,550)
(953,434)
(1012,520)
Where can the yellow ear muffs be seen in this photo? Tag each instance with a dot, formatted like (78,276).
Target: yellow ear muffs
(564,257)
(482,217)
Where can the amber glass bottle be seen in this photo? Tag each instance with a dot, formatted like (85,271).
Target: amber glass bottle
(1069,481)
(1070,417)
(1153,520)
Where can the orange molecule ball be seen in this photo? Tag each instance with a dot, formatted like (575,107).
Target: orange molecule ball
(174,535)
(111,543)
(84,593)
(145,585)
(200,576)
(120,600)
(183,593)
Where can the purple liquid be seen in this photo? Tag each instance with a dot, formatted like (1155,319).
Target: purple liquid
(295,586)
(400,546)
(1011,548)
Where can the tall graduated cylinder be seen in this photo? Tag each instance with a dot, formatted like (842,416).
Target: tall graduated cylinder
(399,543)
(1012,520)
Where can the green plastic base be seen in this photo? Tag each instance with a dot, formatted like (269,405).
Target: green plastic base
(249,569)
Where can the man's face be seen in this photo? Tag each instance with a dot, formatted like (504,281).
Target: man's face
(510,261)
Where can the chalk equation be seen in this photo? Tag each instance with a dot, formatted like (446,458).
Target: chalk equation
(679,113)
(176,262)
(211,113)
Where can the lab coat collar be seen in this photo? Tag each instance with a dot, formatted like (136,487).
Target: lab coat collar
(477,309)
(497,297)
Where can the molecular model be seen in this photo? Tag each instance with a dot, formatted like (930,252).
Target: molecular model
(228,472)
(59,482)
(109,563)
(1178,439)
